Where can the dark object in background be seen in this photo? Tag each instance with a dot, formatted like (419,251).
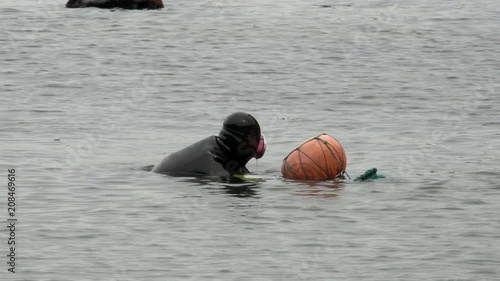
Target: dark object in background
(109,4)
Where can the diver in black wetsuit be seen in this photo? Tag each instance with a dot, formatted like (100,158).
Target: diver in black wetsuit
(224,155)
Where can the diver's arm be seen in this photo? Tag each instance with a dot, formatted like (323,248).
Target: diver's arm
(243,171)
(216,168)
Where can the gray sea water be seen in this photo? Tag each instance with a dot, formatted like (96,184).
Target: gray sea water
(90,96)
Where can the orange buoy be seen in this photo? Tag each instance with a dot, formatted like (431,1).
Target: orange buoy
(318,158)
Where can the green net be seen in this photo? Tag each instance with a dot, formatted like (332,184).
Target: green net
(370,174)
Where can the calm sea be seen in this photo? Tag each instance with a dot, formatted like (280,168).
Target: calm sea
(90,96)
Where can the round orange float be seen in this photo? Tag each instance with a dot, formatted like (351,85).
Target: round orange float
(318,158)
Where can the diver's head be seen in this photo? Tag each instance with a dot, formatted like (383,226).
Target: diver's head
(241,133)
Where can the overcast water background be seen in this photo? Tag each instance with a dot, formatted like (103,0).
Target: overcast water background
(90,96)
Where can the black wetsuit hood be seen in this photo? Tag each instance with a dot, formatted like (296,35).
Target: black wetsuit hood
(240,134)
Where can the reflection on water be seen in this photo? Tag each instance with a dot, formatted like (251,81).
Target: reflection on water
(235,186)
(243,190)
(147,168)
(321,189)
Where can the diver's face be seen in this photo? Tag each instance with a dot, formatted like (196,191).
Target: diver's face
(253,139)
(247,147)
